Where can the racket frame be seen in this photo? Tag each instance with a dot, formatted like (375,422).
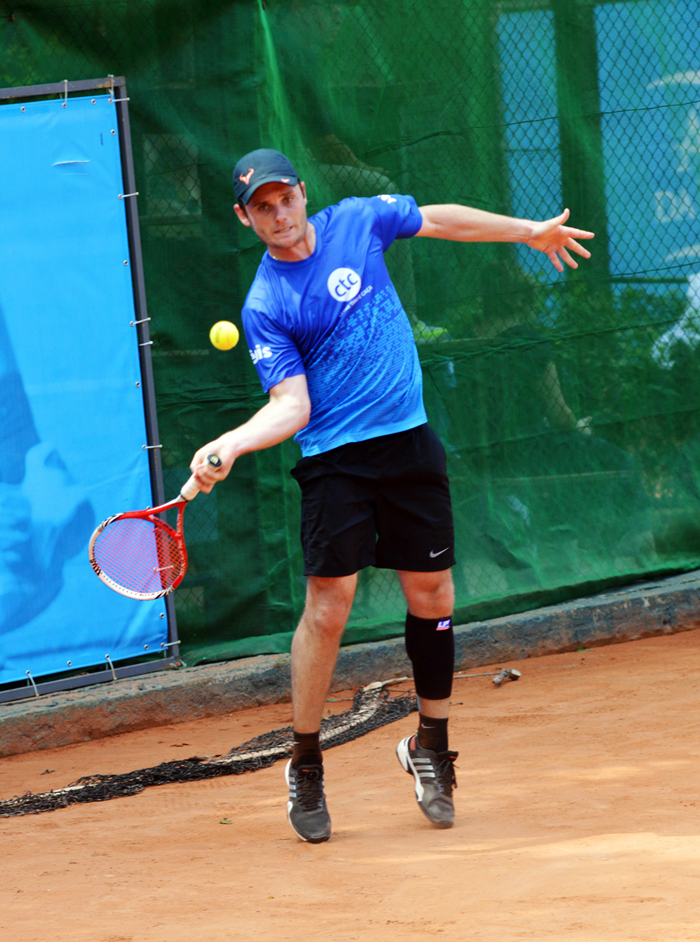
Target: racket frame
(188,492)
(150,514)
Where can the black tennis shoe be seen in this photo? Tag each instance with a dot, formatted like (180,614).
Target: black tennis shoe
(306,808)
(434,776)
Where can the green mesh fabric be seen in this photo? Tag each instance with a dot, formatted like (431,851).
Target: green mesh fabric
(568,404)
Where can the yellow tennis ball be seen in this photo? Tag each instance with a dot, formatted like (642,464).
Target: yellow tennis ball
(224,335)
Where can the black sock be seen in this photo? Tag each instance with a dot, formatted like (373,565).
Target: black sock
(307,749)
(432,733)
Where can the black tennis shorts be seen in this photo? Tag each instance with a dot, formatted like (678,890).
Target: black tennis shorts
(384,502)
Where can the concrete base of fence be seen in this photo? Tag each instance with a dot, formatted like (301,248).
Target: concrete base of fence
(665,606)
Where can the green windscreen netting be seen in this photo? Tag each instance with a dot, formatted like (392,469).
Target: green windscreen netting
(568,404)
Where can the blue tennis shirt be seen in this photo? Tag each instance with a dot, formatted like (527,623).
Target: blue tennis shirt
(336,317)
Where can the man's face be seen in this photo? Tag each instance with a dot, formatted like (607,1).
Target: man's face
(276,212)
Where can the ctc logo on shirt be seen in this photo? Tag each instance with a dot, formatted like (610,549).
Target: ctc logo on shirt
(344,284)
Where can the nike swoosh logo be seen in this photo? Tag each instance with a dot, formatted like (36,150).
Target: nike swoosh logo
(433,555)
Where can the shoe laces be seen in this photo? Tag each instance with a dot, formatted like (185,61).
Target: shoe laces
(309,787)
(445,772)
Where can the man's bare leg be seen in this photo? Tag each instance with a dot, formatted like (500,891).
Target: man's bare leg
(314,653)
(315,646)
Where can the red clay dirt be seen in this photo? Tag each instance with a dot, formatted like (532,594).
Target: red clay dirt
(577,818)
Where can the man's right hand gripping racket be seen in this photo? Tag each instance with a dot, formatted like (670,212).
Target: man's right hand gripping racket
(138,554)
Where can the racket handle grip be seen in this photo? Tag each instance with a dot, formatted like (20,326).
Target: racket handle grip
(191,488)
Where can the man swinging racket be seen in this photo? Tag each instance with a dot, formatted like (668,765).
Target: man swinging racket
(334,349)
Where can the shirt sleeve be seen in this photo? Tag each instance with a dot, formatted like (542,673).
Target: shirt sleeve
(398,217)
(274,354)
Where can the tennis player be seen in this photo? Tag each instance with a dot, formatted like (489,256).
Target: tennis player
(335,351)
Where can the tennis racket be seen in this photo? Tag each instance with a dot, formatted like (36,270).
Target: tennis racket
(138,554)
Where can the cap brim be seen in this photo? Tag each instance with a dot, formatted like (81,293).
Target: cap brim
(272,178)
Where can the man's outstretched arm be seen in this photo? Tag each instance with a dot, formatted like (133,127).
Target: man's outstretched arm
(465,224)
(286,413)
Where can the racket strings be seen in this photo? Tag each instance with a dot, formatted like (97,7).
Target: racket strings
(140,555)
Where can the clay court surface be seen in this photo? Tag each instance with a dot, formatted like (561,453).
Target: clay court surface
(578,819)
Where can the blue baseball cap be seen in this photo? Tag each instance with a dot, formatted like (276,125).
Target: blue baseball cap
(261,166)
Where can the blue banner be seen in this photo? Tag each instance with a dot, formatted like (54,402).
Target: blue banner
(72,426)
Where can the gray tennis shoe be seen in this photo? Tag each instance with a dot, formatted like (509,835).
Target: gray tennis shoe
(306,808)
(434,777)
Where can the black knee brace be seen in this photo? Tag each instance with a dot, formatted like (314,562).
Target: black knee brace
(430,645)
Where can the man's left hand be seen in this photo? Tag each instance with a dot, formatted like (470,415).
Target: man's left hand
(554,239)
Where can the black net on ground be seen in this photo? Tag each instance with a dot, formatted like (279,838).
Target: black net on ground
(569,405)
(372,707)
